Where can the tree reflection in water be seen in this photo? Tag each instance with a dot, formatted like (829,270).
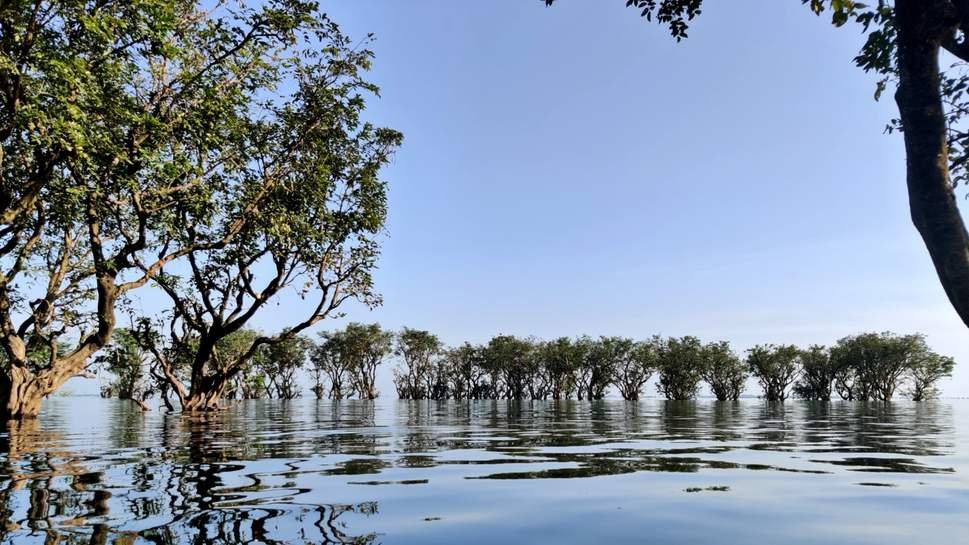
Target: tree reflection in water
(49,495)
(291,472)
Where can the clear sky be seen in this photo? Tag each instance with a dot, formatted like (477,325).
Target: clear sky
(574,170)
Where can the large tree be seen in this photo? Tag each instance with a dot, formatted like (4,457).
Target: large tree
(297,186)
(905,39)
(150,140)
(95,101)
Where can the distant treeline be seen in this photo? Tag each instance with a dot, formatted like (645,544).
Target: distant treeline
(343,364)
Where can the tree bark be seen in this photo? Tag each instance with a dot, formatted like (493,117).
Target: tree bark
(21,394)
(205,394)
(22,391)
(921,28)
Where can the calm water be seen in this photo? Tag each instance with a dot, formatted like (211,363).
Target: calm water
(97,471)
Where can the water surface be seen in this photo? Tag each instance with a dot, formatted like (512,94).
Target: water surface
(100,471)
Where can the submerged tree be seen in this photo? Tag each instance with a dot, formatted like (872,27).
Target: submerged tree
(723,371)
(635,363)
(155,141)
(561,359)
(297,185)
(680,366)
(926,370)
(872,366)
(280,365)
(817,374)
(869,366)
(466,372)
(599,366)
(331,363)
(510,363)
(775,367)
(416,378)
(905,39)
(366,347)
(128,365)
(86,122)
(250,381)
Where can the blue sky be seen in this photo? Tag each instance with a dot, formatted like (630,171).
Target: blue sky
(574,170)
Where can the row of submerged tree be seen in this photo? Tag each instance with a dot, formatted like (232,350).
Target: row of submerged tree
(343,364)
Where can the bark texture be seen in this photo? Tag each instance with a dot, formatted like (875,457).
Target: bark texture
(922,26)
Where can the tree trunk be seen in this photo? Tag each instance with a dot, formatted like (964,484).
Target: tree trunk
(932,201)
(22,391)
(205,394)
(21,394)
(200,402)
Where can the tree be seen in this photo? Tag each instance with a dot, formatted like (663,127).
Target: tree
(417,350)
(365,346)
(331,362)
(281,363)
(127,363)
(904,41)
(680,365)
(248,382)
(252,381)
(723,371)
(635,364)
(466,372)
(872,366)
(145,139)
(928,368)
(775,367)
(817,374)
(297,185)
(598,368)
(511,363)
(76,124)
(561,360)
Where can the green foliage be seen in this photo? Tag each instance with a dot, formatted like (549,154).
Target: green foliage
(347,359)
(562,358)
(775,367)
(675,14)
(635,363)
(126,363)
(818,372)
(331,363)
(872,366)
(723,371)
(343,364)
(280,364)
(465,372)
(680,366)
(416,379)
(925,370)
(510,361)
(158,142)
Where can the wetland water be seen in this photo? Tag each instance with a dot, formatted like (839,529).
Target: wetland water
(100,471)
